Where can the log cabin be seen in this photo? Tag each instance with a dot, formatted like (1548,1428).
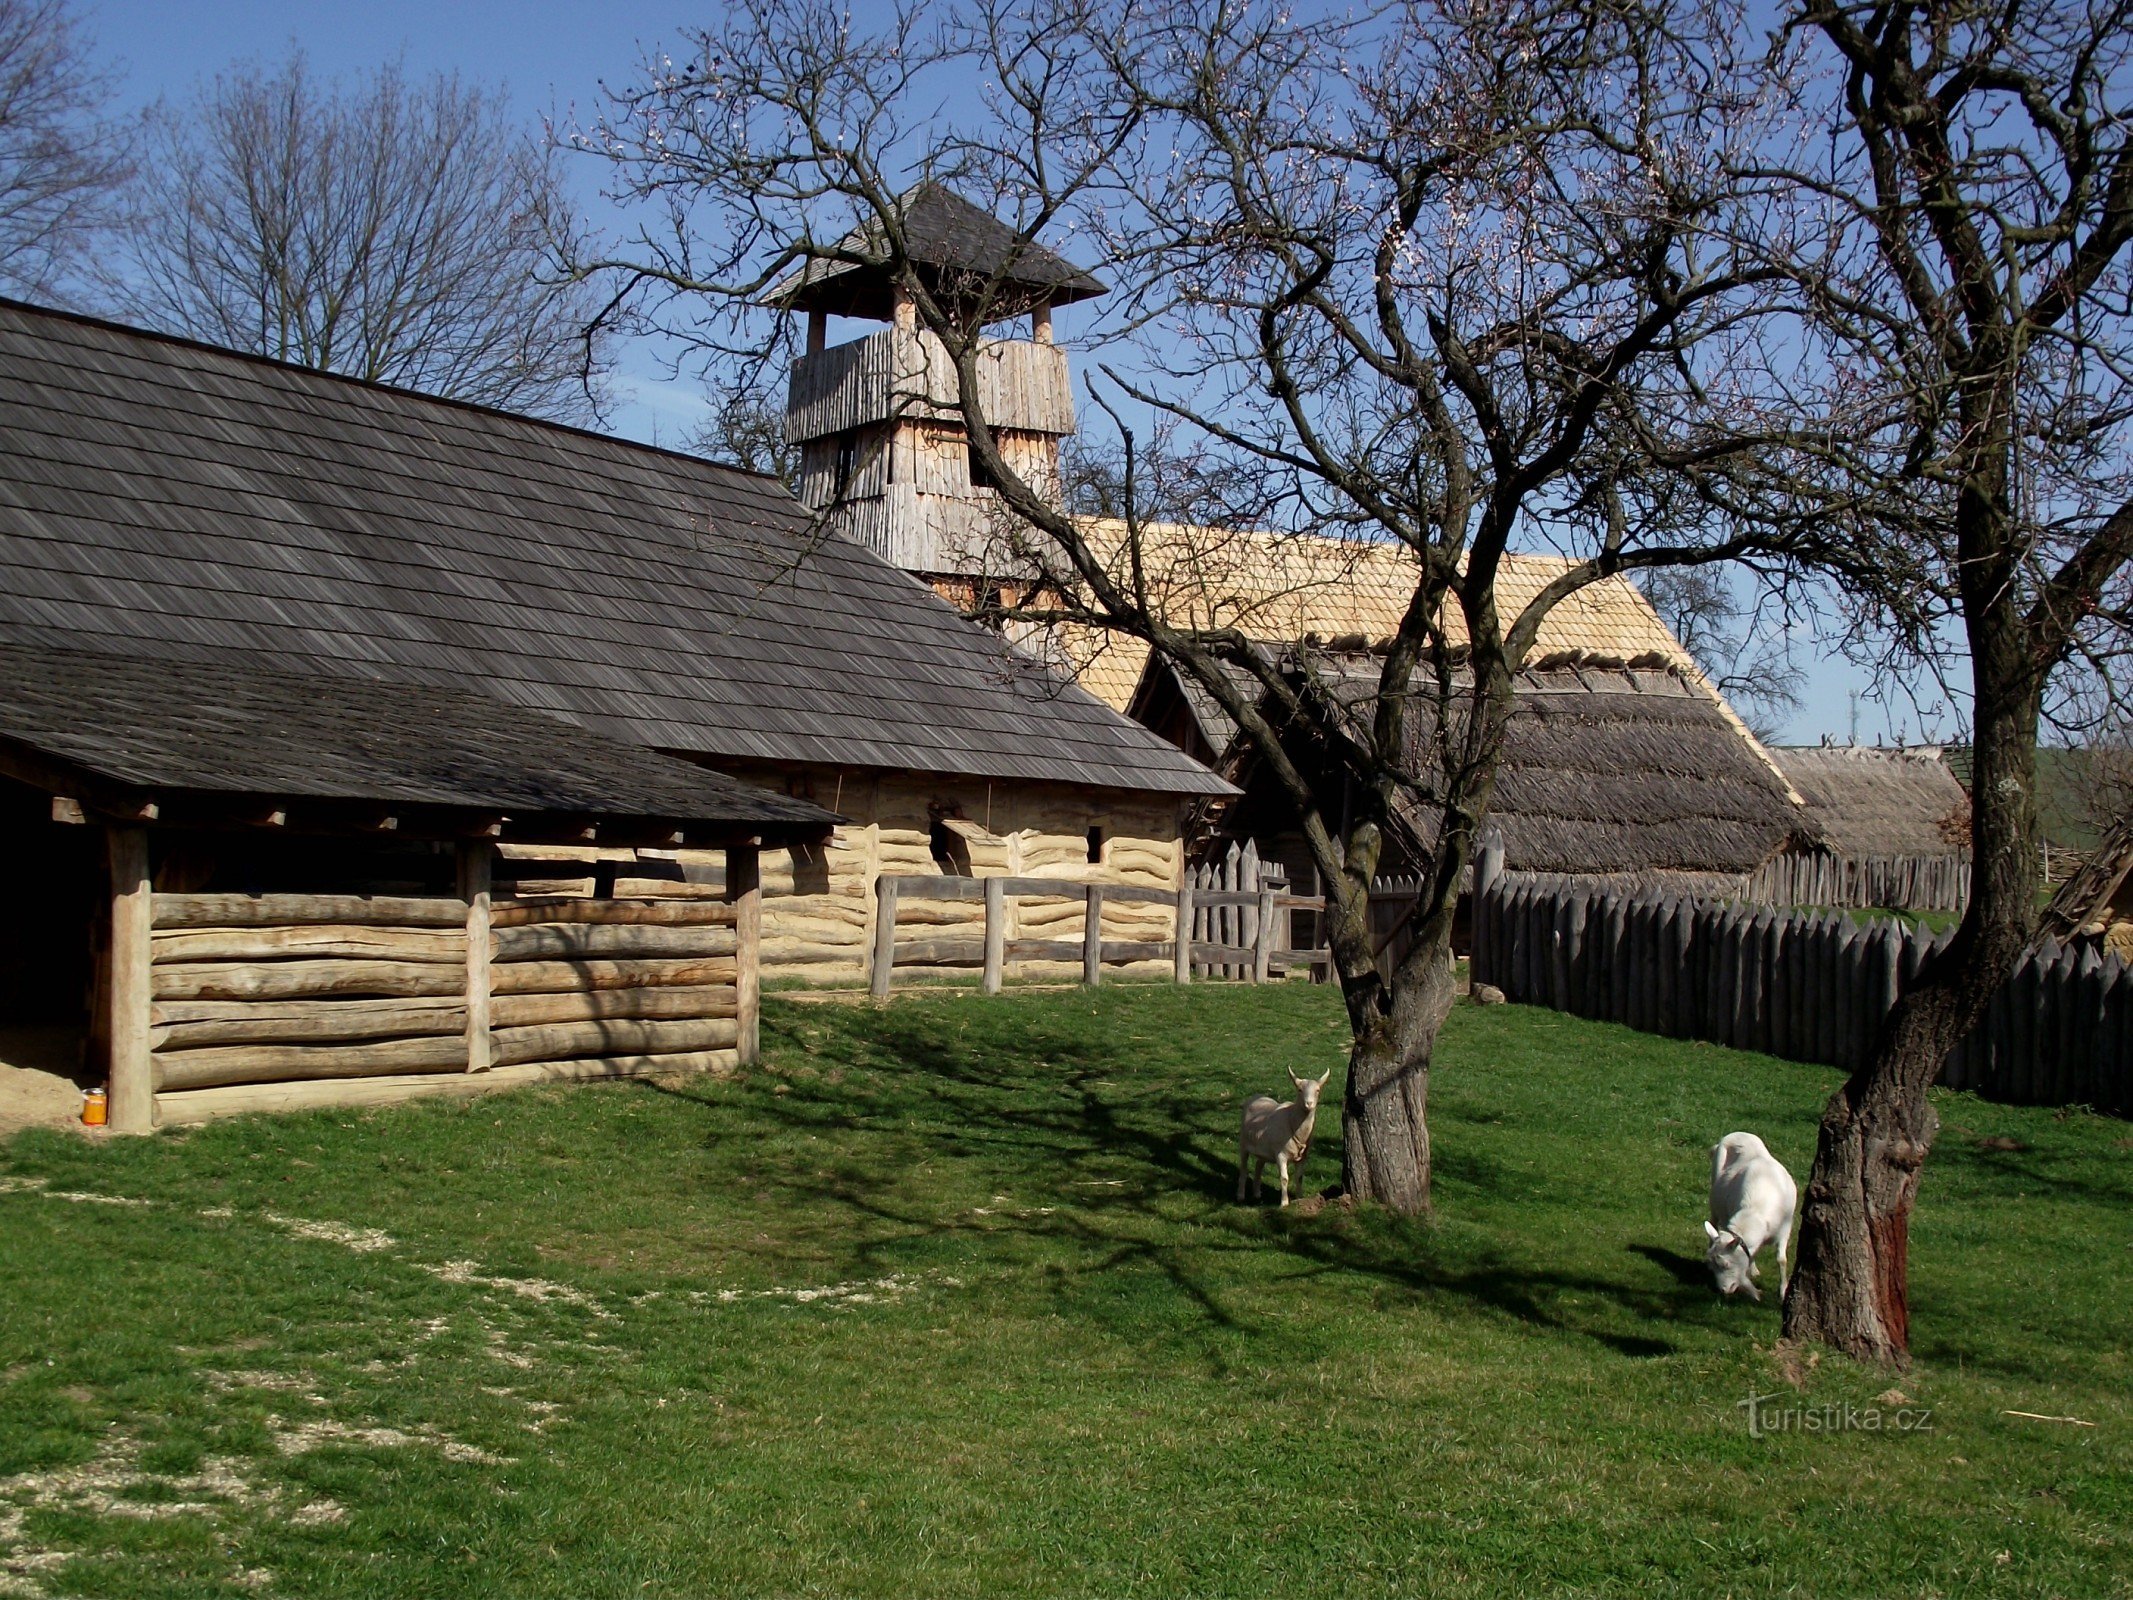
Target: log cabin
(571,602)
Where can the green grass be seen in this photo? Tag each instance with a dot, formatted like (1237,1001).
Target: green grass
(952,1299)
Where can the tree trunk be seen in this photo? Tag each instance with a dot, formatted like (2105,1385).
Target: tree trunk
(1851,1289)
(1385,1112)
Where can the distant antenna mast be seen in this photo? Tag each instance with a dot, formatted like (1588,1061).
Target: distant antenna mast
(1853,737)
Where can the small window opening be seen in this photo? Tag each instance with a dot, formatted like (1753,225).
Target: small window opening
(951,851)
(1096,847)
(979,477)
(847,461)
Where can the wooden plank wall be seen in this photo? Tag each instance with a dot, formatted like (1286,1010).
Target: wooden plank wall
(1805,986)
(1901,883)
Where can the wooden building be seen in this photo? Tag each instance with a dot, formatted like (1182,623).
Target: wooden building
(245,888)
(1616,776)
(884,458)
(1893,828)
(170,503)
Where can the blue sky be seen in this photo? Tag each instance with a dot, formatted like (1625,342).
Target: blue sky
(552,56)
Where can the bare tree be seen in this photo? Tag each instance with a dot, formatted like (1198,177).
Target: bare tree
(1964,399)
(59,162)
(1444,277)
(384,229)
(1753,670)
(745,430)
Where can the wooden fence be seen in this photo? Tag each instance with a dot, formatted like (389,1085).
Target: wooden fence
(1808,987)
(1904,883)
(1241,947)
(232,1002)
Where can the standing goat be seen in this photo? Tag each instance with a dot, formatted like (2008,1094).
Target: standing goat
(1278,1132)
(1752,1198)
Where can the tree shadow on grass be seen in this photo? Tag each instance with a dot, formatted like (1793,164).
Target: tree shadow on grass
(1129,1148)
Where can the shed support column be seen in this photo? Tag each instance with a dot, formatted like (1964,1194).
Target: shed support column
(1181,958)
(995,932)
(1040,325)
(744,887)
(476,862)
(130,987)
(817,332)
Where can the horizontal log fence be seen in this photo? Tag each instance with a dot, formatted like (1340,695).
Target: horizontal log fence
(1244,949)
(1805,986)
(222,1003)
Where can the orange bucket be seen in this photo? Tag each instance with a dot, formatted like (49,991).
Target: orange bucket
(93,1108)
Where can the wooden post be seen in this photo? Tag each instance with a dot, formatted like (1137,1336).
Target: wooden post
(995,933)
(1040,325)
(1263,938)
(1488,870)
(1181,960)
(1092,936)
(744,888)
(817,332)
(475,867)
(884,936)
(130,987)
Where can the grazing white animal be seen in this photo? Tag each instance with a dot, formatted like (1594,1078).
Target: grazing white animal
(1279,1132)
(1752,1198)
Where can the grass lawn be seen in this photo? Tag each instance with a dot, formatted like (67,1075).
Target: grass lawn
(952,1299)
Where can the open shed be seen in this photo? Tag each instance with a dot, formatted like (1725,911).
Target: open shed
(261,890)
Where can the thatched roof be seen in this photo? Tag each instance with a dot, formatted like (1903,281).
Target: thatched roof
(1614,770)
(1290,589)
(1872,802)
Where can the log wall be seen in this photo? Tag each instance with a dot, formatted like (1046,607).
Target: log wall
(260,1002)
(1805,986)
(819,905)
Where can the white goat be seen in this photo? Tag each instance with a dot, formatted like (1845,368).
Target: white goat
(1752,1199)
(1278,1132)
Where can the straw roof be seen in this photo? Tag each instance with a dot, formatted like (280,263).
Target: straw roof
(1286,588)
(1613,770)
(1298,589)
(1873,802)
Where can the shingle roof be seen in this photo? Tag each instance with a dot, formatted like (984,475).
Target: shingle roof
(223,730)
(1873,802)
(944,236)
(169,501)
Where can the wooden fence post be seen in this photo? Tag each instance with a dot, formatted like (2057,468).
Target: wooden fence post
(1263,937)
(1092,936)
(744,887)
(884,936)
(130,989)
(475,871)
(1181,958)
(1488,872)
(995,933)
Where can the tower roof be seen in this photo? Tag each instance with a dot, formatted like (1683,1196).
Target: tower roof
(948,239)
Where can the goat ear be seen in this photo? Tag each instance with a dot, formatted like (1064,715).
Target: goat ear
(1709,1232)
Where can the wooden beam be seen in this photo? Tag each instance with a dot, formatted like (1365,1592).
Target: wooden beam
(1181,960)
(569,977)
(476,863)
(285,910)
(1092,935)
(995,933)
(884,937)
(129,982)
(67,809)
(744,888)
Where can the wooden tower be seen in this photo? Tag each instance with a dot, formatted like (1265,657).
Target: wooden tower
(884,456)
